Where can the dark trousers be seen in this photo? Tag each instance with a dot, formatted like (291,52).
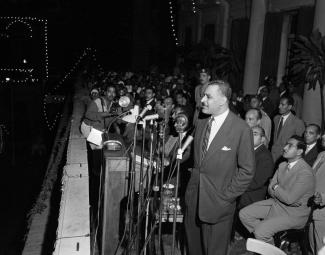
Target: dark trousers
(216,237)
(203,238)
(191,222)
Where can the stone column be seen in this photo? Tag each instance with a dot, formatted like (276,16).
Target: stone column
(311,112)
(254,47)
(283,49)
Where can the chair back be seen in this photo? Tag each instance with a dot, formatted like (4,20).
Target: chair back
(263,248)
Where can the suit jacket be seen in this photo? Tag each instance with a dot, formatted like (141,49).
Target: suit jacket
(290,198)
(319,171)
(266,124)
(264,171)
(226,170)
(292,126)
(268,106)
(311,156)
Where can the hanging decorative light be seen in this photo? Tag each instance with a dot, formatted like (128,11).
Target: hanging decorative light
(172,22)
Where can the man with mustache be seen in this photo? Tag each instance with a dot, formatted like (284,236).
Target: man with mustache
(224,166)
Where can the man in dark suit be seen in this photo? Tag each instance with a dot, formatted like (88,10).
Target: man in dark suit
(224,166)
(267,104)
(285,125)
(311,137)
(264,170)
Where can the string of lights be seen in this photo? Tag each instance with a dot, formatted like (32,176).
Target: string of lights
(172,22)
(21,21)
(193,6)
(28,22)
(51,125)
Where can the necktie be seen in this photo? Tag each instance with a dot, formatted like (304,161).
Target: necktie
(206,138)
(279,127)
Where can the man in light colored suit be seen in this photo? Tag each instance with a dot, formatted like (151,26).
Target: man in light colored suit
(317,229)
(224,167)
(290,189)
(285,125)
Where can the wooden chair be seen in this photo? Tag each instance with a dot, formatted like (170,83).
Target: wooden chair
(263,248)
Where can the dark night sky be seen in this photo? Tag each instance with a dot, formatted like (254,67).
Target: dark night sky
(116,29)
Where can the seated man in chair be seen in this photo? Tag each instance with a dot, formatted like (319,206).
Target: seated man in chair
(290,188)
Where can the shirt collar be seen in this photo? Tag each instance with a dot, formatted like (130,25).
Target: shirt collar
(285,116)
(255,148)
(149,101)
(292,164)
(221,117)
(310,146)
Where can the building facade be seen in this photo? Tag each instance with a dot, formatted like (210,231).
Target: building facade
(260,33)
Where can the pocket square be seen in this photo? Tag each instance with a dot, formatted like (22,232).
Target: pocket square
(225,148)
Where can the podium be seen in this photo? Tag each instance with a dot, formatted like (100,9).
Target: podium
(114,189)
(115,182)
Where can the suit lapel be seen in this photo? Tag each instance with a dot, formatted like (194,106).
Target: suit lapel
(287,124)
(221,137)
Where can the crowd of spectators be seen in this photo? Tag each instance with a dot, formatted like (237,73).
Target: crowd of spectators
(290,169)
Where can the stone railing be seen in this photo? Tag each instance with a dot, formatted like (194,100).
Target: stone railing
(73,233)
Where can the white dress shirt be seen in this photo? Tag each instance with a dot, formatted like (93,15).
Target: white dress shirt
(216,124)
(309,147)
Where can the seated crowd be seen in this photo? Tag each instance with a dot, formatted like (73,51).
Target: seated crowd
(290,162)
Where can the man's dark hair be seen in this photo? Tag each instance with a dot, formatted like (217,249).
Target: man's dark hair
(224,87)
(317,127)
(301,145)
(258,97)
(262,131)
(109,85)
(151,88)
(289,98)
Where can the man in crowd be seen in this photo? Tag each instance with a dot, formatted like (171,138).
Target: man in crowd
(285,125)
(205,77)
(264,170)
(224,167)
(290,189)
(311,136)
(265,123)
(149,100)
(297,106)
(317,229)
(267,104)
(253,118)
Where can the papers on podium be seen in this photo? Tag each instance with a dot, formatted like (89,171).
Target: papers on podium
(95,137)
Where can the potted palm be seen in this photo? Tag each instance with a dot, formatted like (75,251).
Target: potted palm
(307,64)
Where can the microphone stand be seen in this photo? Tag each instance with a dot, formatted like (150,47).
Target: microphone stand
(148,187)
(131,191)
(161,185)
(178,160)
(141,190)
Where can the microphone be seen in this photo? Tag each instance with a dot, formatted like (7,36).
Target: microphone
(181,122)
(187,142)
(145,109)
(151,117)
(124,101)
